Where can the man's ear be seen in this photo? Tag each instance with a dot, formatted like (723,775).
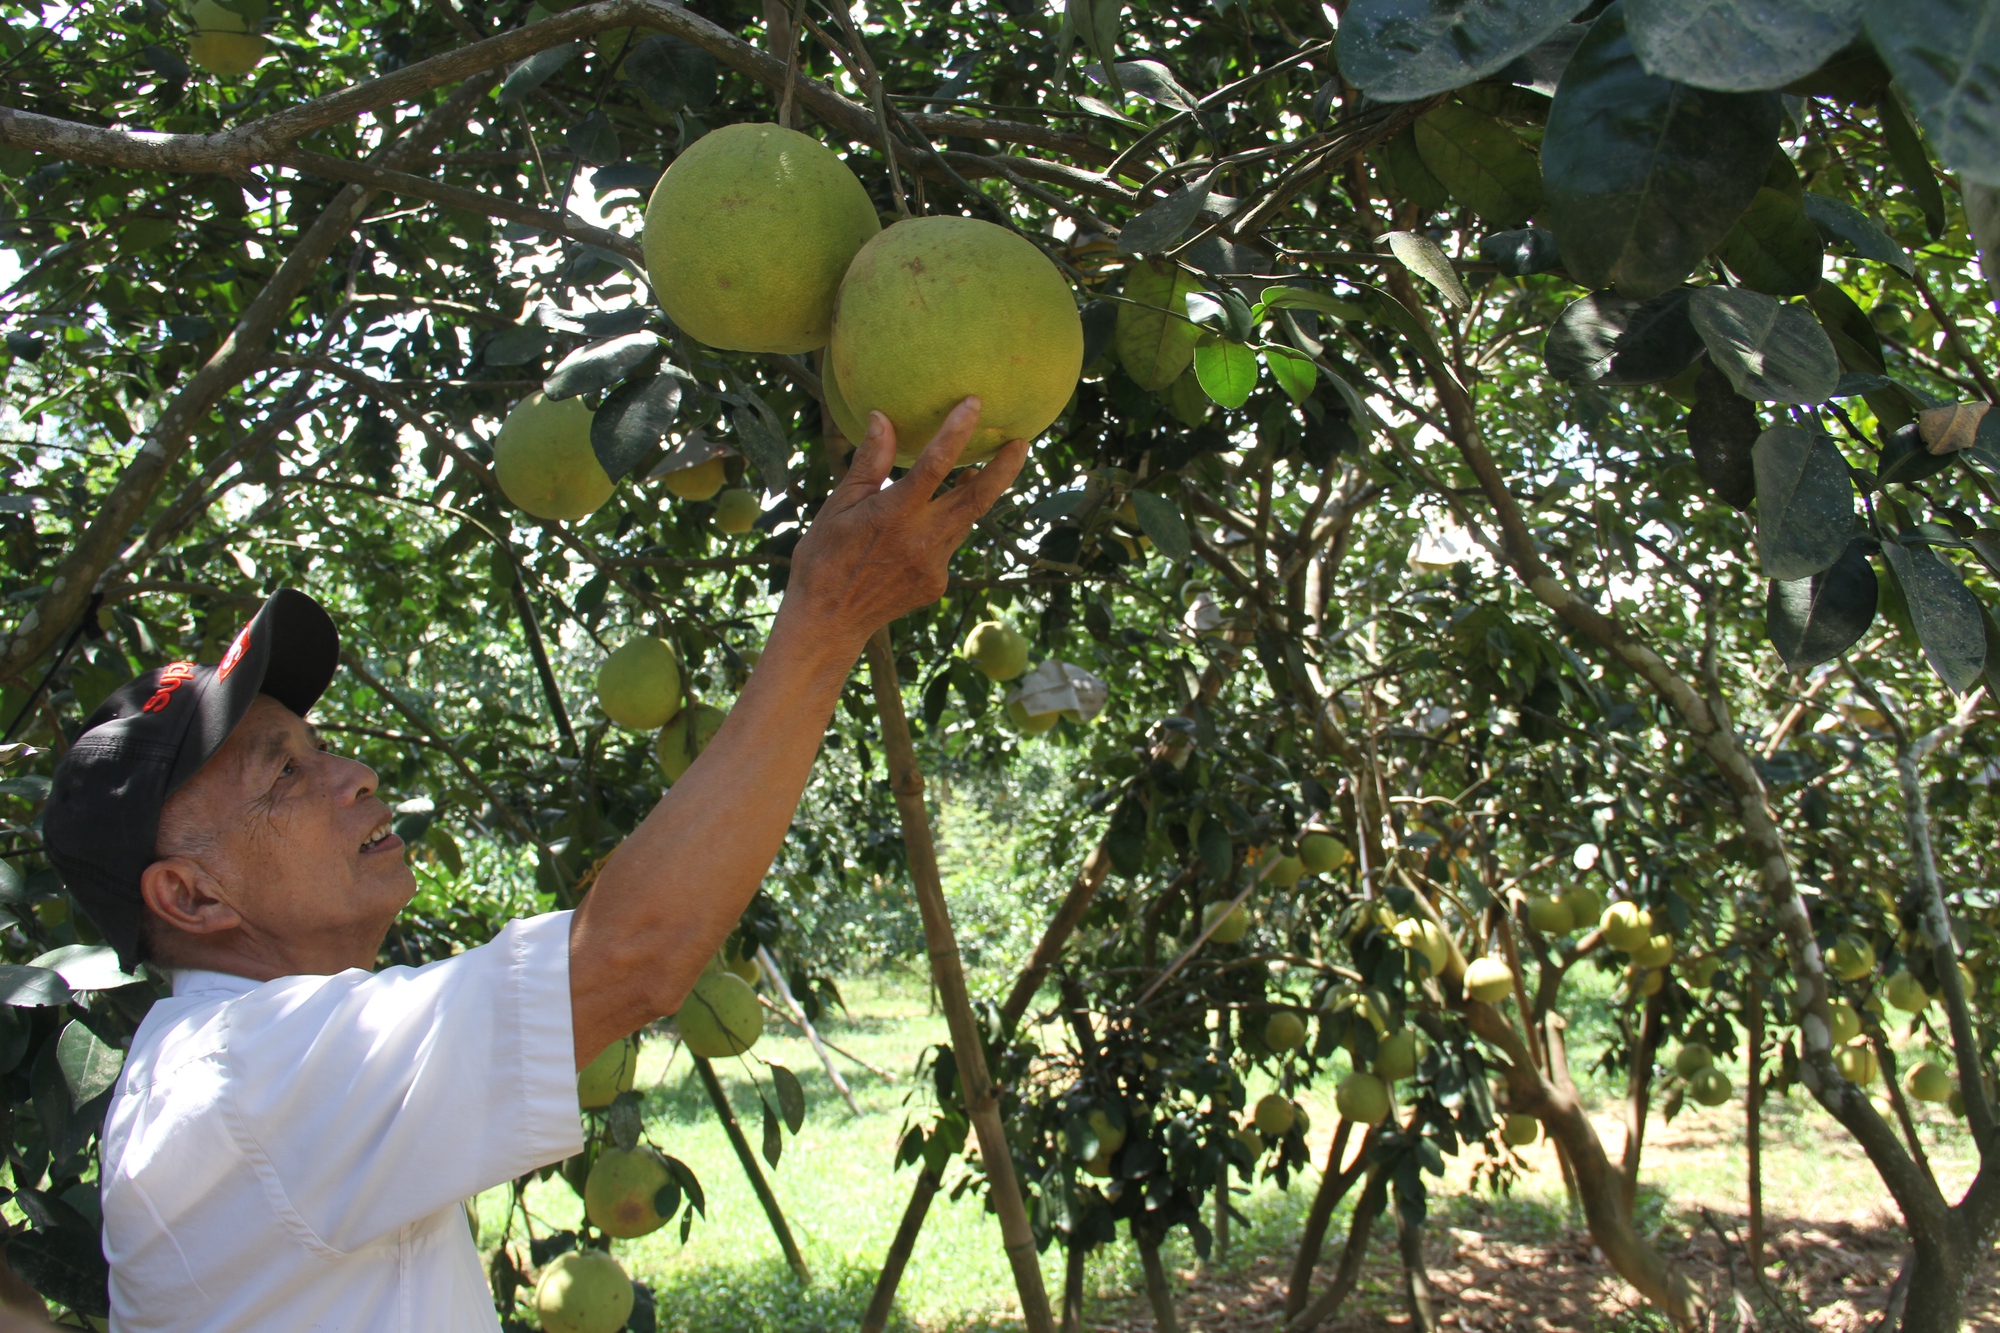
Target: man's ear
(184,896)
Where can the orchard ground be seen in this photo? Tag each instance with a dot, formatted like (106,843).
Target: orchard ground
(1513,1260)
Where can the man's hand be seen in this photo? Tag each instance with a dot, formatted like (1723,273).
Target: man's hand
(663,904)
(872,553)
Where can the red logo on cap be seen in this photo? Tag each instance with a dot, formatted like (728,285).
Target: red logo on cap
(234,655)
(172,677)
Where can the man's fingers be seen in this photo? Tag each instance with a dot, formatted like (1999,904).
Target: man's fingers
(975,495)
(873,457)
(941,454)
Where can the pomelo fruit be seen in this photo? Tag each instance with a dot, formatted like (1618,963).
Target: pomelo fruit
(229,54)
(1858,1064)
(1275,1115)
(1520,1130)
(1710,1086)
(936,308)
(1250,1139)
(1850,957)
(1397,1055)
(741,964)
(1285,870)
(1362,1098)
(998,649)
(1657,951)
(1585,905)
(748,234)
(1956,1103)
(1907,993)
(1845,1025)
(1551,916)
(1694,1056)
(1929,1082)
(1284,1032)
(1427,941)
(852,428)
(611,1073)
(639,685)
(1233,926)
(1700,972)
(1488,980)
(699,482)
(720,1017)
(1153,336)
(544,463)
(1646,980)
(1100,1165)
(619,1194)
(1110,1136)
(737,511)
(1627,926)
(682,740)
(584,1291)
(1322,852)
(209,16)
(1030,724)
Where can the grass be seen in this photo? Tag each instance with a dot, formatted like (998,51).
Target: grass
(843,1199)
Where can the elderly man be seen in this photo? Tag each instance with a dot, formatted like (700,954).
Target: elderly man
(292,1134)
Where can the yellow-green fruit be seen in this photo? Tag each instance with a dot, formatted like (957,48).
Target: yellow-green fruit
(682,740)
(721,1016)
(1030,724)
(639,685)
(584,1291)
(1362,1098)
(1551,916)
(1956,1103)
(1153,336)
(1857,1064)
(1488,980)
(1657,951)
(1907,993)
(1231,928)
(1100,1165)
(52,912)
(1700,972)
(1850,958)
(1250,1139)
(1646,980)
(699,482)
(544,463)
(618,1196)
(1322,852)
(1585,905)
(1427,941)
(1710,1087)
(748,234)
(1110,1137)
(1397,1054)
(230,54)
(998,649)
(1845,1025)
(1284,1032)
(1627,926)
(1929,1082)
(853,429)
(737,511)
(1520,1130)
(1274,1115)
(937,308)
(611,1073)
(1285,871)
(209,16)
(1694,1056)
(741,964)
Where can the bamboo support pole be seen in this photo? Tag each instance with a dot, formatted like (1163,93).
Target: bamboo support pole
(797,1014)
(981,1102)
(750,1168)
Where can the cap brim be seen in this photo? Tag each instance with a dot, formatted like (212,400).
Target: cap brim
(289,650)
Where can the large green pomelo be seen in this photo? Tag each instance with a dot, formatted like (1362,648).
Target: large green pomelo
(639,685)
(937,308)
(1362,1098)
(584,1291)
(721,1016)
(748,234)
(230,54)
(998,649)
(1275,1115)
(612,1072)
(620,1193)
(682,740)
(544,463)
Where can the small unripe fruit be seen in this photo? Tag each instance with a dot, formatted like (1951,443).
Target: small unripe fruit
(1250,1139)
(1520,1130)
(1907,993)
(612,1072)
(1710,1087)
(1284,1032)
(1232,927)
(1322,852)
(1398,1054)
(1627,926)
(998,649)
(1551,916)
(1694,1057)
(737,511)
(1845,1025)
(1362,1098)
(1646,980)
(639,685)
(620,1195)
(1929,1082)
(1657,951)
(1585,905)
(1110,1136)
(1427,941)
(700,482)
(1488,980)
(1700,972)
(1850,957)
(1285,870)
(1275,1115)
(1858,1065)
(584,1291)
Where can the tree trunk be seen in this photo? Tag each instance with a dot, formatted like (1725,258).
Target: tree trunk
(1333,1186)
(1328,1302)
(1638,1099)
(1753,1124)
(1159,1293)
(877,1316)
(1416,1278)
(1221,1227)
(1075,1257)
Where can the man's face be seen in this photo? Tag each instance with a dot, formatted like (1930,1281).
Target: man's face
(291,836)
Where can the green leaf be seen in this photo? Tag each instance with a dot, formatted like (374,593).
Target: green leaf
(1227,371)
(1945,55)
(31,986)
(446,847)
(536,70)
(595,140)
(1644,175)
(1839,220)
(1772,352)
(774,1137)
(65,1265)
(1849,329)
(1303,298)
(1186,401)
(1946,615)
(1722,434)
(1161,519)
(1403,165)
(671,73)
(633,421)
(1774,247)
(89,1063)
(1154,337)
(1913,164)
(1401,50)
(1740,45)
(1165,222)
(1293,370)
(1805,502)
(760,442)
(1904,458)
(1517,254)
(85,967)
(597,367)
(1422,256)
(1604,338)
(791,1097)
(1483,164)
(1810,621)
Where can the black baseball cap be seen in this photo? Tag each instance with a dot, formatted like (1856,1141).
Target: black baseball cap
(153,734)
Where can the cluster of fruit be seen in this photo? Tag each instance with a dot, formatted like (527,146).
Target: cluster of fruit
(226,40)
(639,686)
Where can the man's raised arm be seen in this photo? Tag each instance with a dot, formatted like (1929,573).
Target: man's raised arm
(673,891)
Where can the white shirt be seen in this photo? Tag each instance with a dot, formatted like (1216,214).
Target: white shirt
(290,1156)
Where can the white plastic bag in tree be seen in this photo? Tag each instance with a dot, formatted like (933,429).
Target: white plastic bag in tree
(1203,615)
(1058,687)
(1438,547)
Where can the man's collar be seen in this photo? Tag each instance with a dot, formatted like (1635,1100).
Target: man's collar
(193,981)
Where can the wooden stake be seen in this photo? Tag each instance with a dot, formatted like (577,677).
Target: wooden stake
(751,1169)
(981,1102)
(804,1024)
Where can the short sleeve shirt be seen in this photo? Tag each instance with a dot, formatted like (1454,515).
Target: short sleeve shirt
(291,1156)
